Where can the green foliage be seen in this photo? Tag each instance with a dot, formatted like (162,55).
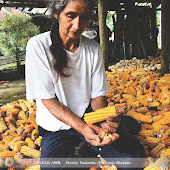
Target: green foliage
(109,21)
(15,31)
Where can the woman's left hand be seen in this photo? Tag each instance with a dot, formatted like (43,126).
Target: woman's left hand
(111,124)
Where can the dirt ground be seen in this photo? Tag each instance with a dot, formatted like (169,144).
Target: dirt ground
(12,91)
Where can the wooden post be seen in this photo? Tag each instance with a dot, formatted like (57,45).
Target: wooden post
(102,30)
(165,27)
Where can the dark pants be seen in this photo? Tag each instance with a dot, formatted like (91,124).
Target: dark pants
(61,144)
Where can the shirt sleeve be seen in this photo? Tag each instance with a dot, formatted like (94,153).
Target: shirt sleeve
(39,84)
(99,81)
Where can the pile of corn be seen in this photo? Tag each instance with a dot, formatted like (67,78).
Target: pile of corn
(146,64)
(19,136)
(147,97)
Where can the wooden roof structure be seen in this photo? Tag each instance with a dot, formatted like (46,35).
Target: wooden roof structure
(44,3)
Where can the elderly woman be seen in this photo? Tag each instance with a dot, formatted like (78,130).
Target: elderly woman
(65,73)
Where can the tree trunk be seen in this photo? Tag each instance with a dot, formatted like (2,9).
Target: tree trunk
(103,32)
(165,49)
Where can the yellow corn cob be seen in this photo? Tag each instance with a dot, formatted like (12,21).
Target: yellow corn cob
(13,111)
(17,145)
(7,107)
(166,141)
(152,140)
(157,127)
(7,139)
(140,117)
(32,112)
(164,120)
(20,129)
(156,118)
(145,133)
(38,141)
(34,167)
(30,152)
(22,115)
(19,122)
(166,152)
(12,127)
(29,128)
(3,126)
(23,107)
(13,141)
(156,149)
(34,134)
(30,142)
(154,104)
(100,115)
(166,101)
(33,122)
(28,104)
(146,126)
(7,154)
(9,162)
(165,134)
(161,162)
(3,146)
(10,133)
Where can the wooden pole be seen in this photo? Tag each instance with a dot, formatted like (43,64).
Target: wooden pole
(165,36)
(102,31)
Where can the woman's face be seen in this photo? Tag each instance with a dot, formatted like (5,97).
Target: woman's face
(74,19)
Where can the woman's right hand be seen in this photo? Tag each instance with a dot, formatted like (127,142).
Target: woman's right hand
(90,132)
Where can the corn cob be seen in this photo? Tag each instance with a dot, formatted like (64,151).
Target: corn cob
(10,133)
(34,134)
(30,152)
(140,117)
(161,163)
(8,106)
(7,154)
(154,104)
(20,129)
(9,162)
(19,122)
(156,149)
(34,167)
(100,115)
(13,141)
(29,128)
(38,141)
(30,142)
(152,140)
(7,139)
(156,118)
(145,133)
(32,112)
(17,146)
(3,126)
(12,127)
(157,127)
(10,119)
(166,141)
(13,112)
(28,104)
(23,106)
(22,115)
(166,152)
(33,122)
(164,120)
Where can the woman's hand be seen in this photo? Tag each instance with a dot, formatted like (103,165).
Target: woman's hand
(90,132)
(111,124)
